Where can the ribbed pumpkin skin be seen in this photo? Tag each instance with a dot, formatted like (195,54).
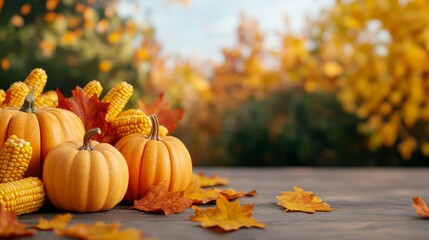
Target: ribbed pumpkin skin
(151,162)
(44,130)
(83,180)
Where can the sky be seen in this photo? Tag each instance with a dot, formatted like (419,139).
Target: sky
(201,28)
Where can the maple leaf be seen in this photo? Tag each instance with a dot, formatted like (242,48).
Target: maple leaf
(99,230)
(57,222)
(91,111)
(166,117)
(10,227)
(421,208)
(302,201)
(158,198)
(228,216)
(231,194)
(211,181)
(198,195)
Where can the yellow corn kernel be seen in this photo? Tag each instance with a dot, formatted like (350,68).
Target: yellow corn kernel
(134,121)
(36,81)
(18,91)
(22,196)
(48,98)
(2,96)
(93,88)
(117,98)
(14,159)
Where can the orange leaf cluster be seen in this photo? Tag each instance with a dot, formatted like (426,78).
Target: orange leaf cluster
(211,181)
(99,230)
(91,111)
(421,208)
(158,198)
(227,216)
(198,195)
(10,227)
(58,222)
(302,201)
(166,117)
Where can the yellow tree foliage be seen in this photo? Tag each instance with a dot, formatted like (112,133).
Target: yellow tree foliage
(377,53)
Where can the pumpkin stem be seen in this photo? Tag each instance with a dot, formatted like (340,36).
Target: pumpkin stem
(87,139)
(29,105)
(154,131)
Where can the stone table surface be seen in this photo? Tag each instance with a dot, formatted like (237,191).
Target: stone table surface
(369,203)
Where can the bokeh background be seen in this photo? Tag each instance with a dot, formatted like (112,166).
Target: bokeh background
(263,83)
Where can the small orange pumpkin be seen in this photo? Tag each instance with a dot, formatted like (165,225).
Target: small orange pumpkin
(152,160)
(85,178)
(43,127)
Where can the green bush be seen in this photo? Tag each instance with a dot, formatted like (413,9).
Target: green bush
(292,128)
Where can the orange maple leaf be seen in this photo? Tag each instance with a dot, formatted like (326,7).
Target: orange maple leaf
(99,230)
(57,222)
(166,117)
(302,201)
(158,198)
(10,227)
(211,181)
(91,111)
(421,208)
(231,194)
(227,216)
(198,195)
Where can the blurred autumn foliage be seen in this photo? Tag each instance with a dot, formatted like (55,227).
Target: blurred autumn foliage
(349,90)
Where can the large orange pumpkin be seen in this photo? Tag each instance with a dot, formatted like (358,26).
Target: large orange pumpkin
(86,177)
(44,128)
(152,160)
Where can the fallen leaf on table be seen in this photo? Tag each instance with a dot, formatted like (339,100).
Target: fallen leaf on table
(211,181)
(228,216)
(57,222)
(198,195)
(166,117)
(421,208)
(231,194)
(10,227)
(91,111)
(302,201)
(158,198)
(99,230)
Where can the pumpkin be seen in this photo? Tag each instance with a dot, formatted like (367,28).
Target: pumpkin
(86,177)
(152,160)
(43,127)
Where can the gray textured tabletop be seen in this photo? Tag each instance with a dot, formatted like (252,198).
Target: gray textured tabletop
(369,203)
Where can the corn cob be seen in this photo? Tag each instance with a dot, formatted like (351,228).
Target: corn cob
(18,91)
(134,121)
(2,96)
(131,121)
(14,159)
(23,196)
(36,81)
(48,98)
(93,88)
(118,98)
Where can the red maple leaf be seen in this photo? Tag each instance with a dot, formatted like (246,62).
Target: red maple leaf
(91,111)
(166,116)
(158,198)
